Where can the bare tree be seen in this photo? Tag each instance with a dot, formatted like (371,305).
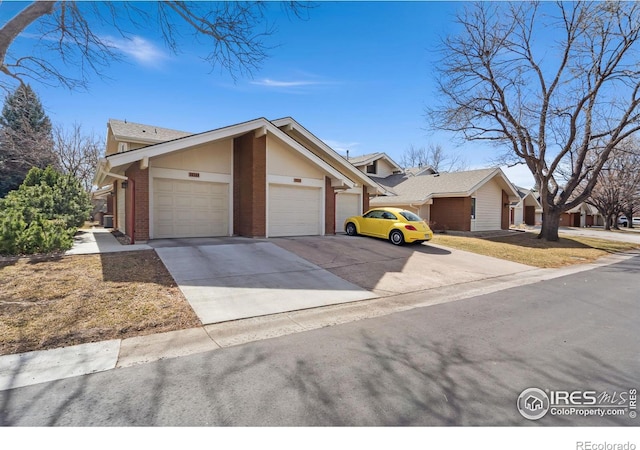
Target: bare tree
(443,161)
(413,157)
(630,180)
(554,85)
(616,191)
(78,153)
(234,35)
(435,156)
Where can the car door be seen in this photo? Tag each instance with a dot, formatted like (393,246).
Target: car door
(387,223)
(372,223)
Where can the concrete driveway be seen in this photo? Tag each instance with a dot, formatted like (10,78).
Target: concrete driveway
(385,269)
(236,278)
(227,279)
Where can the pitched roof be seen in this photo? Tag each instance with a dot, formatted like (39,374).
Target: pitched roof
(138,132)
(419,189)
(369,158)
(364,159)
(420,170)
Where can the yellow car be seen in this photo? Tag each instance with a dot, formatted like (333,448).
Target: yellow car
(395,224)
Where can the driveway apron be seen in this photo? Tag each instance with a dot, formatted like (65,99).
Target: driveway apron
(240,280)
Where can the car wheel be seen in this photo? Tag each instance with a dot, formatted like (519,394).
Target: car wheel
(351,229)
(396,237)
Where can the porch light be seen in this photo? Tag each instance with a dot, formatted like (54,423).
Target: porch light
(125,184)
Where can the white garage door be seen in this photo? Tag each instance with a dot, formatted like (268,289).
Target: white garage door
(347,205)
(294,211)
(183,208)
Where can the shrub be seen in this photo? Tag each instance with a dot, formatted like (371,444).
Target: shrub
(43,214)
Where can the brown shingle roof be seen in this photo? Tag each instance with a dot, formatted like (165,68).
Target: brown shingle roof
(420,188)
(130,131)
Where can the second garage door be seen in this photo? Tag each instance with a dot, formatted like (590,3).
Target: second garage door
(183,208)
(347,205)
(294,211)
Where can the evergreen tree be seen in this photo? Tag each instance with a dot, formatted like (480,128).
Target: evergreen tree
(25,138)
(42,216)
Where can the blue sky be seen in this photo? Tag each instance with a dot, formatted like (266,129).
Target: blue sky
(356,74)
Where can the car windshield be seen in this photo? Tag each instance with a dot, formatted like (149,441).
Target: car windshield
(411,217)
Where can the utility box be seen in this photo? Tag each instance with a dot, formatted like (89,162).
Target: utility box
(108,221)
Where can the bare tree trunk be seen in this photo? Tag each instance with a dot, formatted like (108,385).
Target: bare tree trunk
(550,224)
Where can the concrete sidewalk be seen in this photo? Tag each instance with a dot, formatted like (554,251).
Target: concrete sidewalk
(100,240)
(43,366)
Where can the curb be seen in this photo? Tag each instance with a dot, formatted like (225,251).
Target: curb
(25,369)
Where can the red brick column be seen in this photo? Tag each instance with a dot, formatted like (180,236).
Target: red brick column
(329,207)
(365,199)
(249,185)
(140,183)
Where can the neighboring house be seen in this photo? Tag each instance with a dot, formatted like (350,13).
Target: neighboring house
(259,179)
(475,200)
(527,209)
(583,215)
(376,165)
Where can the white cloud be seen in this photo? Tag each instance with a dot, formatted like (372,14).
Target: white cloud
(141,50)
(342,147)
(276,83)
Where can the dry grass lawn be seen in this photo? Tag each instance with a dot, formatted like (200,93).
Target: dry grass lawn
(48,302)
(526,248)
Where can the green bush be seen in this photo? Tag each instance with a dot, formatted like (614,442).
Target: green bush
(43,214)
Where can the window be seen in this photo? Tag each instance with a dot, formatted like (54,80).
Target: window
(411,217)
(372,168)
(473,208)
(375,214)
(388,215)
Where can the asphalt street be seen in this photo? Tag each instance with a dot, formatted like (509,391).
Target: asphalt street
(458,363)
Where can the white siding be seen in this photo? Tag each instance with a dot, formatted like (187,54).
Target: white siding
(488,208)
(384,169)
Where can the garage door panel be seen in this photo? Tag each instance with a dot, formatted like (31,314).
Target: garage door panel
(184,208)
(347,205)
(294,211)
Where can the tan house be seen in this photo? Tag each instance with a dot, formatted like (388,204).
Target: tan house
(475,200)
(259,179)
(376,165)
(527,210)
(583,215)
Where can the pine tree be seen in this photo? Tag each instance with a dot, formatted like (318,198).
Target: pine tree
(25,138)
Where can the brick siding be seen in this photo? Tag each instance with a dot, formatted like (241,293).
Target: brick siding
(249,185)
